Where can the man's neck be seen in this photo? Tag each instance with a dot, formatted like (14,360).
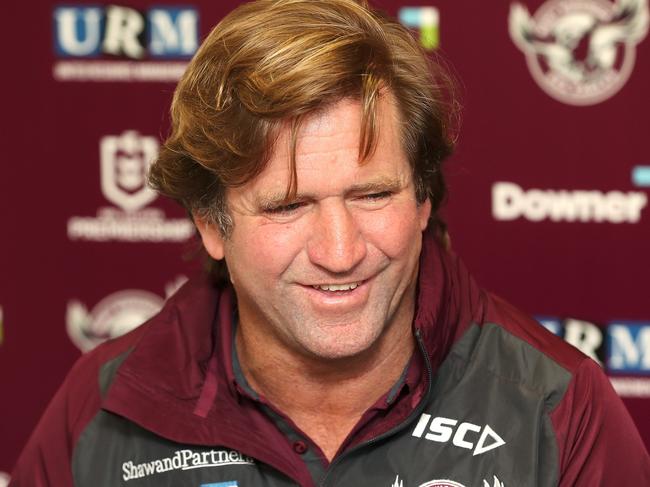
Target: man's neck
(324,398)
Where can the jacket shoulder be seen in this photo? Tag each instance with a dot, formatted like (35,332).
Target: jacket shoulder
(527,330)
(45,459)
(596,439)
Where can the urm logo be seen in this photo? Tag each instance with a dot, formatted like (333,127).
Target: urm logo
(426,20)
(89,32)
(629,348)
(623,347)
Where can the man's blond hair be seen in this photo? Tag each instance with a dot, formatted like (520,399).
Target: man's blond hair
(271,62)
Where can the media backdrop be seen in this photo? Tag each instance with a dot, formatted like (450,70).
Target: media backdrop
(549,183)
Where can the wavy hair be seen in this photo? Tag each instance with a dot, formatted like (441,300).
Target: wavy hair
(269,62)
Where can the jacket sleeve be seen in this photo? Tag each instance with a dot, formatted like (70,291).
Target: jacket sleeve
(46,459)
(598,443)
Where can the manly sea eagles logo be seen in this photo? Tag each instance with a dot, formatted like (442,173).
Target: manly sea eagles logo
(113,316)
(580,52)
(124,162)
(447,483)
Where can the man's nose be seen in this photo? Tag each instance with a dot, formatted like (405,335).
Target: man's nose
(336,243)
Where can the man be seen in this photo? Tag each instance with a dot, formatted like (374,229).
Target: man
(343,345)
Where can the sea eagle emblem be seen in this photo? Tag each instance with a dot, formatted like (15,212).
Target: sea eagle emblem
(580,52)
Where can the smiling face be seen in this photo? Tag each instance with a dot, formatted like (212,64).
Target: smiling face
(332,273)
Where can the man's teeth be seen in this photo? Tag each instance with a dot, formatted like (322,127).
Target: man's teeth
(337,287)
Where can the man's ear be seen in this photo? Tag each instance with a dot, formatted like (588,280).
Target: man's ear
(424,212)
(212,238)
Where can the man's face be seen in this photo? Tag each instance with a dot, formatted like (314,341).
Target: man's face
(332,273)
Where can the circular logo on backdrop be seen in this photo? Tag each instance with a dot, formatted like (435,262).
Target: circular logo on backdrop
(580,52)
(113,316)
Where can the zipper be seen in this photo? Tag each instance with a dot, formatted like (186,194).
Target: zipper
(416,412)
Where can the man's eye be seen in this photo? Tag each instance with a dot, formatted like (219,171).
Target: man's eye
(377,196)
(283,209)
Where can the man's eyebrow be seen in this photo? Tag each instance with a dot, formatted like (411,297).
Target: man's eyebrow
(277,198)
(273,199)
(378,186)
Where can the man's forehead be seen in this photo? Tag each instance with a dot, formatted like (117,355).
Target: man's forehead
(327,156)
(337,119)
(323,121)
(380,183)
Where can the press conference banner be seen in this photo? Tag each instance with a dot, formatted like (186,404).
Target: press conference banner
(548,185)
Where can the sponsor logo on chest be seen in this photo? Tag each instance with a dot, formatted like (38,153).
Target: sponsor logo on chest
(446,483)
(184,460)
(469,436)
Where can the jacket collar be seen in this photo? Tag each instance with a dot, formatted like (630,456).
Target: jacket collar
(449,300)
(178,380)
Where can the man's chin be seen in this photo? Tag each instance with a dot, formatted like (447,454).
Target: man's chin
(337,345)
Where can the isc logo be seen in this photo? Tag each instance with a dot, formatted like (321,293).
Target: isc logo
(125,32)
(442,430)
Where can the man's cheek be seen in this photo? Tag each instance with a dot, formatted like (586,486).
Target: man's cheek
(273,245)
(391,230)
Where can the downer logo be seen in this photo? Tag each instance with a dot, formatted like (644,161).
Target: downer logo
(510,201)
(441,430)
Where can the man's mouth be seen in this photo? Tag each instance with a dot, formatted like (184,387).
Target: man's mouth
(337,287)
(338,297)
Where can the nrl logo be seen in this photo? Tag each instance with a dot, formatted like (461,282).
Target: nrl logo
(580,52)
(124,162)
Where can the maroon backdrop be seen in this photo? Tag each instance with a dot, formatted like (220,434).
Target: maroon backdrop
(548,185)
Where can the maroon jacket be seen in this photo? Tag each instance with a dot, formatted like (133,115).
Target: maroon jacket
(490,396)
